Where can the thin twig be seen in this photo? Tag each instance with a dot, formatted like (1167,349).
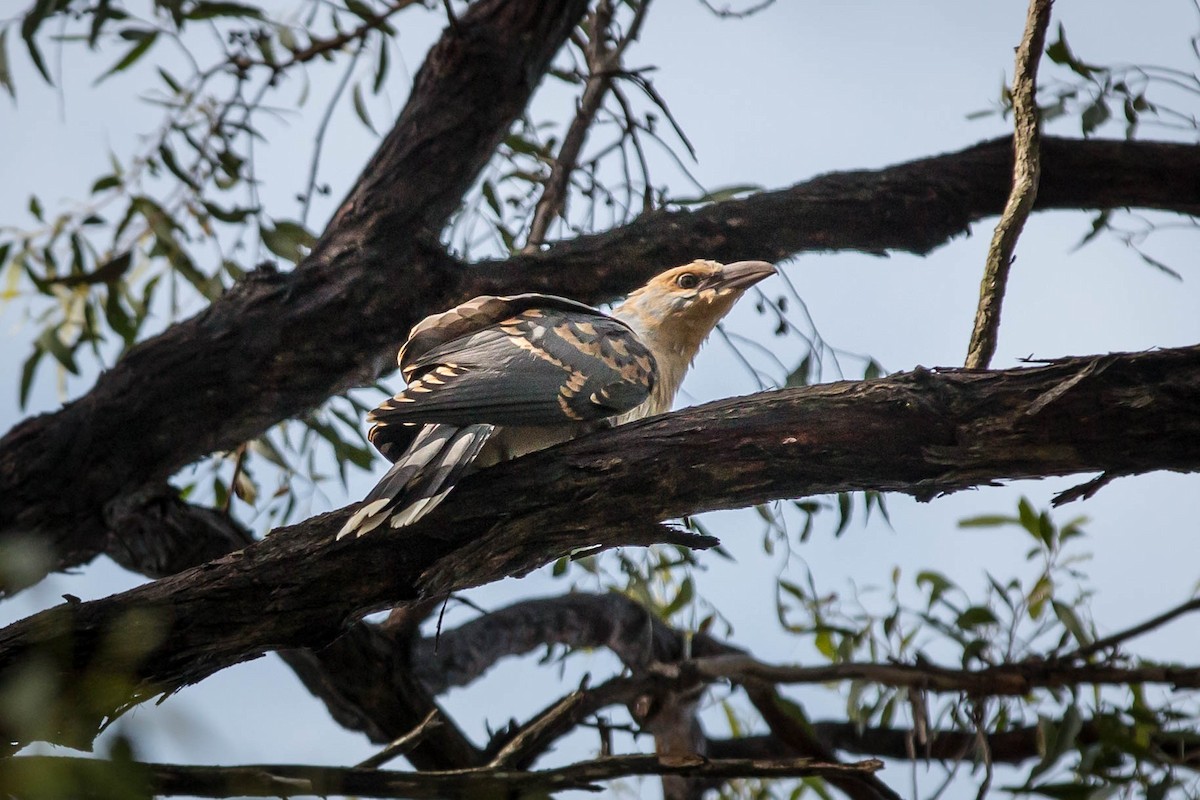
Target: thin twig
(534,736)
(978,716)
(1026,173)
(402,745)
(1129,633)
(1010,679)
(320,47)
(602,62)
(319,138)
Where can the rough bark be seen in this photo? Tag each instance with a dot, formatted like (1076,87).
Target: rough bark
(922,433)
(280,344)
(276,345)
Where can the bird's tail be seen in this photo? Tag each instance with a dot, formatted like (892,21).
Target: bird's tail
(420,479)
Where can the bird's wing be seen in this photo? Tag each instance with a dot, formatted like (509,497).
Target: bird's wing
(473,316)
(545,365)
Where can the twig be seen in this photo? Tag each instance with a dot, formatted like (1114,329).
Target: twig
(1026,173)
(24,774)
(403,744)
(981,740)
(1012,679)
(319,138)
(602,61)
(536,735)
(1129,633)
(321,46)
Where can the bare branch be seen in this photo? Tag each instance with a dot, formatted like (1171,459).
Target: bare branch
(1119,638)
(1015,679)
(1026,174)
(24,774)
(602,61)
(403,744)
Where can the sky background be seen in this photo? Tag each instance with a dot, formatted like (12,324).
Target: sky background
(798,90)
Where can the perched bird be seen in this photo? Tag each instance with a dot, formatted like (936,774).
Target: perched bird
(498,377)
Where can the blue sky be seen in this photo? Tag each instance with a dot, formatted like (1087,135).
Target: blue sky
(796,91)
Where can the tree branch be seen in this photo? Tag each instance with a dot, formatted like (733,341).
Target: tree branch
(602,61)
(26,775)
(277,345)
(1015,679)
(1027,168)
(921,432)
(280,344)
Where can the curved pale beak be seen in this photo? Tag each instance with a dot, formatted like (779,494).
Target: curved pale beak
(743,274)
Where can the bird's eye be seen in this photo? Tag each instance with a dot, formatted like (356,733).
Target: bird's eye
(687,280)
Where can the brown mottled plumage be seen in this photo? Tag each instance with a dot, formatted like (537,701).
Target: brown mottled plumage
(498,377)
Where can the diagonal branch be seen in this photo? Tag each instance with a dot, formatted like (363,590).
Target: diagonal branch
(922,433)
(279,344)
(1027,168)
(603,60)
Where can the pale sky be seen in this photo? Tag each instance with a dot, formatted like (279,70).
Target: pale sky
(799,90)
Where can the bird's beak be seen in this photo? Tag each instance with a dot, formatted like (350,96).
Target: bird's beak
(743,274)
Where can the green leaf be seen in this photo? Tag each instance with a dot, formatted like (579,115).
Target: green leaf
(107,182)
(1042,591)
(823,641)
(287,240)
(845,502)
(143,41)
(204,10)
(1070,620)
(171,83)
(360,10)
(360,108)
(938,584)
(987,521)
(232,216)
(1029,518)
(168,159)
(29,26)
(1094,116)
(1060,53)
(27,371)
(381,68)
(5,72)
(64,355)
(975,616)
(800,375)
(684,596)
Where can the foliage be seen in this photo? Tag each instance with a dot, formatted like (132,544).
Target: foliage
(182,219)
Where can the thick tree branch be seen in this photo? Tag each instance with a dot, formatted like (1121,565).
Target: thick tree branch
(922,432)
(25,776)
(278,345)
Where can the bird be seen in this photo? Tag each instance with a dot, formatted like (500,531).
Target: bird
(501,376)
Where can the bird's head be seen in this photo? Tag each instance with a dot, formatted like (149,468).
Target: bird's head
(682,305)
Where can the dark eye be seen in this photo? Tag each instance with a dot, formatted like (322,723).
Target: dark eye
(687,281)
